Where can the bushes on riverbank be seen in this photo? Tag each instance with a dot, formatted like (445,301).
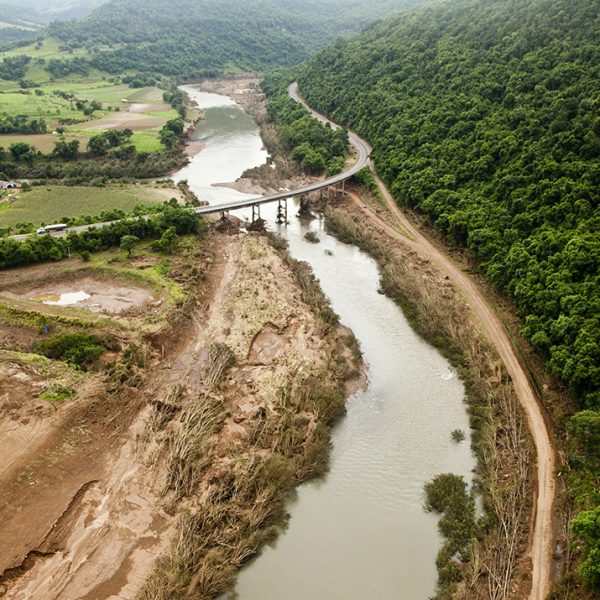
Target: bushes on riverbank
(77,349)
(317,147)
(447,494)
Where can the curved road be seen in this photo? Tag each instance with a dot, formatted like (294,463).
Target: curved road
(542,542)
(363,150)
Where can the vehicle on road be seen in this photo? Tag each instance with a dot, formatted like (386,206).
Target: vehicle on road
(51,228)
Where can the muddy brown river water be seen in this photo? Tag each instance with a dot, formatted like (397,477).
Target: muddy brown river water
(360,532)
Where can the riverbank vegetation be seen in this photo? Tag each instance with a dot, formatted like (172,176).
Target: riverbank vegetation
(492,560)
(483,117)
(448,494)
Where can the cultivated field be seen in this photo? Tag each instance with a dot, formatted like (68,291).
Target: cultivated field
(50,204)
(48,49)
(141,110)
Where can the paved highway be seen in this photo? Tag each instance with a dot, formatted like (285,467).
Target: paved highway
(362,148)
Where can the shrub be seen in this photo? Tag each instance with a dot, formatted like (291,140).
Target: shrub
(77,349)
(57,392)
(458,435)
(447,494)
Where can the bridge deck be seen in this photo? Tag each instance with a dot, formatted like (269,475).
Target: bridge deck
(363,151)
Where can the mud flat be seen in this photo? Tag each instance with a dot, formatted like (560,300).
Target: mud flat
(234,413)
(94,294)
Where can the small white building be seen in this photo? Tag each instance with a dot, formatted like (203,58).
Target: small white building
(9,185)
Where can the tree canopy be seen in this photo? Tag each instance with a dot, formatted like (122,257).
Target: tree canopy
(485,116)
(193,38)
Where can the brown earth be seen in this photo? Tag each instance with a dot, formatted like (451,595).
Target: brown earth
(99,516)
(193,147)
(41,288)
(105,296)
(43,142)
(126,120)
(58,425)
(144,108)
(244,89)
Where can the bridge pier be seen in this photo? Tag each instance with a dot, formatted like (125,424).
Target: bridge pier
(255,212)
(282,212)
(304,210)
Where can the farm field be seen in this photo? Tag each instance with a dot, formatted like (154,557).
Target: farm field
(48,49)
(142,110)
(49,204)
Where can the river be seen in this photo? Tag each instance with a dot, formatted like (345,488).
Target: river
(360,532)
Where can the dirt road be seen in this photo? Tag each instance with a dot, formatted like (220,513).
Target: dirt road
(542,539)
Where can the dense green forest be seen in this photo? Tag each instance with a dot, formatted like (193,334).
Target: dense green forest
(315,146)
(193,38)
(485,116)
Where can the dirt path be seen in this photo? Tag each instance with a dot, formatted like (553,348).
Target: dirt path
(543,538)
(542,542)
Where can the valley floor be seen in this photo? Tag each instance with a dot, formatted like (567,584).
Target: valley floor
(114,480)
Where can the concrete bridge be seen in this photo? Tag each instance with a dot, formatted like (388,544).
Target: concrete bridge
(362,148)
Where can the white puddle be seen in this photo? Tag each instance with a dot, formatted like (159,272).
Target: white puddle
(66,299)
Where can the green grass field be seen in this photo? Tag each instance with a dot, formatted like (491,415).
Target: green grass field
(146,123)
(48,106)
(48,49)
(116,98)
(46,205)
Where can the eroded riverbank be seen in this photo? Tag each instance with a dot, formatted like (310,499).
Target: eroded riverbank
(236,412)
(381,531)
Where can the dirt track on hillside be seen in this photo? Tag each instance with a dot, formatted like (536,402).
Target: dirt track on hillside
(543,537)
(542,542)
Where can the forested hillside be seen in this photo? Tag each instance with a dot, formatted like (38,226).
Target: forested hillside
(17,24)
(485,116)
(62,10)
(192,38)
(23,19)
